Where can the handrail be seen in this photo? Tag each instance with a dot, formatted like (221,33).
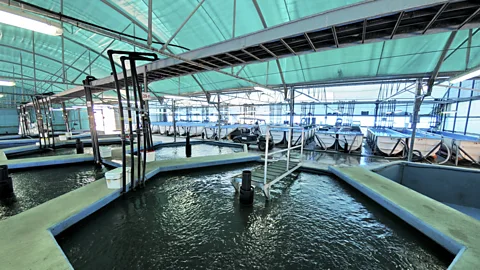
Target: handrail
(289,148)
(284,150)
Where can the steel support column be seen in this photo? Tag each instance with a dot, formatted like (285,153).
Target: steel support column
(91,120)
(174,121)
(65,117)
(416,109)
(469,107)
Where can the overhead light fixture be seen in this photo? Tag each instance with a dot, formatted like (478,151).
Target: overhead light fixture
(1,95)
(397,111)
(176,97)
(449,112)
(7,83)
(79,106)
(472,73)
(30,22)
(259,88)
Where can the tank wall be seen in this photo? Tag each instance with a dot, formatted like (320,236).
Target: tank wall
(444,184)
(392,172)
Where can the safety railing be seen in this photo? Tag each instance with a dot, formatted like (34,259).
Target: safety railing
(266,186)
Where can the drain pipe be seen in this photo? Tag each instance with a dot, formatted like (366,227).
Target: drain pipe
(416,109)
(188,146)
(6,185)
(246,190)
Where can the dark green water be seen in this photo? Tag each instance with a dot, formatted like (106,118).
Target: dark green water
(193,221)
(198,150)
(38,185)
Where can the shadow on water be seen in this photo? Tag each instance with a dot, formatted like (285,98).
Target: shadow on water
(192,219)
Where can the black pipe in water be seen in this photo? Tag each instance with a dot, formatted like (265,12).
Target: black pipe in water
(79,146)
(188,146)
(6,185)
(246,190)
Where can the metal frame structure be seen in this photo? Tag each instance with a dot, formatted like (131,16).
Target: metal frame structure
(266,186)
(360,23)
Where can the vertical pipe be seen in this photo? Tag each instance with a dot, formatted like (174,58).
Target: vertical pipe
(122,121)
(147,110)
(416,109)
(150,12)
(303,140)
(65,116)
(174,122)
(234,17)
(266,156)
(64,76)
(469,107)
(137,99)
(34,65)
(219,118)
(21,73)
(456,109)
(289,145)
(130,124)
(91,119)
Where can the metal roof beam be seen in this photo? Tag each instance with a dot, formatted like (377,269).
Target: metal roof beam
(441,59)
(31,67)
(434,19)
(351,13)
(397,24)
(181,26)
(37,54)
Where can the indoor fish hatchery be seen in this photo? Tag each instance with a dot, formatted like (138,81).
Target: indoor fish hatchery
(240,134)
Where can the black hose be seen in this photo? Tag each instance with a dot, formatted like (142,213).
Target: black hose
(130,125)
(122,120)
(137,118)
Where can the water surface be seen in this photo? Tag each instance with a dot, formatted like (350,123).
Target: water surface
(198,150)
(194,221)
(38,185)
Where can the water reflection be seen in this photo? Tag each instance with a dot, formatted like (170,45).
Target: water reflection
(194,220)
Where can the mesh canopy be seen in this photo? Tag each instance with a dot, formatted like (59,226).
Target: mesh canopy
(85,51)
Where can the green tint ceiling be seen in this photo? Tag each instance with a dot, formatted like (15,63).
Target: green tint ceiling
(85,52)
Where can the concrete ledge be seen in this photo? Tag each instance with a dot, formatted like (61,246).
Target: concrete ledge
(455,231)
(20,149)
(27,240)
(46,161)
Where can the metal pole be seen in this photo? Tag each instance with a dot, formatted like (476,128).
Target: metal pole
(289,145)
(34,65)
(65,117)
(63,46)
(234,17)
(91,120)
(303,140)
(416,109)
(292,106)
(150,11)
(219,118)
(266,157)
(469,107)
(21,73)
(174,122)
